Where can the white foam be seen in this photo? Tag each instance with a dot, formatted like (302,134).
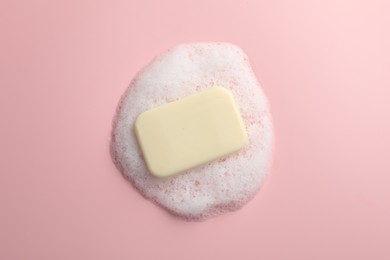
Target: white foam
(220,186)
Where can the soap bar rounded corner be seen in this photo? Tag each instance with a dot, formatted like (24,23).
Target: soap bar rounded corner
(223,89)
(156,173)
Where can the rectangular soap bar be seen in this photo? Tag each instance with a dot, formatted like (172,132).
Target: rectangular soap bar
(192,131)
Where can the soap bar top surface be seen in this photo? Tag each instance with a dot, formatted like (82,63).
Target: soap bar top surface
(189,132)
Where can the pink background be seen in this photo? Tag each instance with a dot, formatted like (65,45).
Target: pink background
(323,64)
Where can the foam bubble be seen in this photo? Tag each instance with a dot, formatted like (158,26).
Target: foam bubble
(220,186)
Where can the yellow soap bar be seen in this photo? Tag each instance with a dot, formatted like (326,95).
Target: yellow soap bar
(189,132)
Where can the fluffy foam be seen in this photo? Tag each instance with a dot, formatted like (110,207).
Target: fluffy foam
(220,186)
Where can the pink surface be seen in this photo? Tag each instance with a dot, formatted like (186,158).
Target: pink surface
(323,64)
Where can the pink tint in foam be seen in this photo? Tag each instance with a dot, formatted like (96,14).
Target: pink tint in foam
(220,186)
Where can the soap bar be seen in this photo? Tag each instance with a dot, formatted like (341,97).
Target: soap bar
(189,132)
